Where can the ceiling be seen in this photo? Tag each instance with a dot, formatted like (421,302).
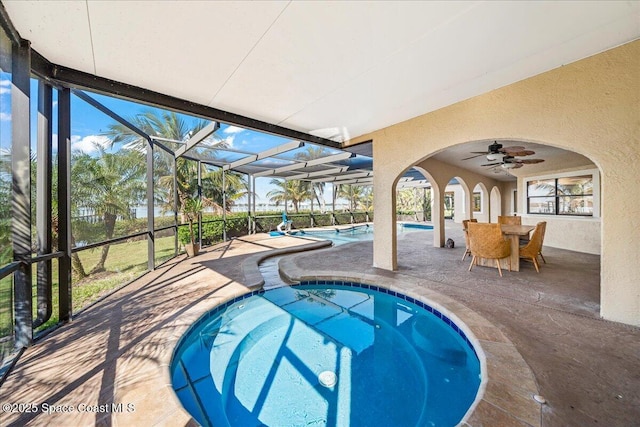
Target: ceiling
(332,69)
(553,159)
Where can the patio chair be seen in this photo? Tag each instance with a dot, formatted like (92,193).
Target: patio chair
(513,220)
(486,241)
(543,225)
(534,247)
(467,251)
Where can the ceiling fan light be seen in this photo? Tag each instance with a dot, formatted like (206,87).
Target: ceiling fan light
(508,165)
(495,156)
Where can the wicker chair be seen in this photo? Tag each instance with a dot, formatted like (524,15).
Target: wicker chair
(534,247)
(486,241)
(543,225)
(467,250)
(513,220)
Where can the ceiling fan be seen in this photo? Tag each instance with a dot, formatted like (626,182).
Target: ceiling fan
(505,157)
(510,162)
(496,151)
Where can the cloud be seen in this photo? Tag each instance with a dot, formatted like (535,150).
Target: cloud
(229,140)
(5,117)
(233,129)
(5,87)
(215,140)
(89,144)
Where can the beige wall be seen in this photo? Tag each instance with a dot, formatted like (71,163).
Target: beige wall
(590,107)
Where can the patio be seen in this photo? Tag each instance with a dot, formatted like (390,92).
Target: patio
(585,367)
(393,91)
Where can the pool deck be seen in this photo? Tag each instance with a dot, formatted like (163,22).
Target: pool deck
(540,333)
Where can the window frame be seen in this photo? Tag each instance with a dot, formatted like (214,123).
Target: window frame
(556,196)
(477,194)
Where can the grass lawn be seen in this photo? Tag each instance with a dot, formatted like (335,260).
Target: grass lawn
(125,262)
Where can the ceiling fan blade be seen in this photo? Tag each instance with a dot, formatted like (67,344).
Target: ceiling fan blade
(492,164)
(511,149)
(529,161)
(473,157)
(521,153)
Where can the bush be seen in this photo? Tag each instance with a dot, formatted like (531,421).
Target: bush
(212,228)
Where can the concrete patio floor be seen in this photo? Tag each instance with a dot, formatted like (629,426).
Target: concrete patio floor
(540,333)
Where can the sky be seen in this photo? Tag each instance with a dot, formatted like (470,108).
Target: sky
(88,125)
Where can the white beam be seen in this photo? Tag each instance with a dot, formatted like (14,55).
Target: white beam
(197,138)
(362,181)
(288,146)
(301,165)
(343,177)
(422,183)
(319,173)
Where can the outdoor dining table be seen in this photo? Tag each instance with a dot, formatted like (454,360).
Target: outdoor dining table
(513,233)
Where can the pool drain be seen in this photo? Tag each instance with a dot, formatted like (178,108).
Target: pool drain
(327,379)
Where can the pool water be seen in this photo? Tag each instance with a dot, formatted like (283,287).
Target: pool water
(359,233)
(259,360)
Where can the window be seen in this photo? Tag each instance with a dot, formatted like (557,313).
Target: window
(477,202)
(448,204)
(571,195)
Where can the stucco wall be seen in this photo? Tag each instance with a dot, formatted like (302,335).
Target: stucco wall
(580,235)
(590,106)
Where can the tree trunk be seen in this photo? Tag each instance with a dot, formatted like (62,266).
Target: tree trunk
(109,224)
(76,263)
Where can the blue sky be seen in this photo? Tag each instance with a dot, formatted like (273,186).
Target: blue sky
(88,125)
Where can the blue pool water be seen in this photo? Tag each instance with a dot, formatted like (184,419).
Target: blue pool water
(357,233)
(258,360)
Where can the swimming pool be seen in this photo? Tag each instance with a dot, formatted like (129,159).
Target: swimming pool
(325,354)
(357,233)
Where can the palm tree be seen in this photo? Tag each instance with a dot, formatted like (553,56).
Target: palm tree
(109,185)
(170,125)
(317,188)
(5,208)
(406,200)
(366,202)
(294,191)
(167,125)
(236,187)
(353,193)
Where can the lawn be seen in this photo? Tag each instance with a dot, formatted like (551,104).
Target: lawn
(126,261)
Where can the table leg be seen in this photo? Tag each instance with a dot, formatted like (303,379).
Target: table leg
(514,239)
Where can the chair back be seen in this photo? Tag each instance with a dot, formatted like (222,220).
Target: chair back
(511,220)
(465,223)
(543,226)
(486,241)
(535,242)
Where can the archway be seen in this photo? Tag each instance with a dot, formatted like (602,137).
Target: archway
(495,204)
(481,202)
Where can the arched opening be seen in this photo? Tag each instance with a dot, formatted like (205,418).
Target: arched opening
(495,204)
(481,203)
(538,191)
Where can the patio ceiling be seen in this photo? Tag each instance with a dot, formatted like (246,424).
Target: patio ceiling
(336,70)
